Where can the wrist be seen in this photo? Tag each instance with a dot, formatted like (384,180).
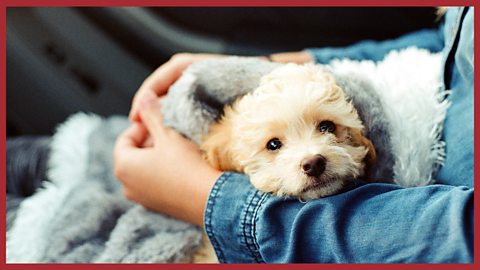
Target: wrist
(189,202)
(202,190)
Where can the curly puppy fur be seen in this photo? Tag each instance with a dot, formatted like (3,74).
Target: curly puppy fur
(289,105)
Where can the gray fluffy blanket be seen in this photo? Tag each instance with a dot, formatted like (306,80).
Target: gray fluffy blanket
(82,216)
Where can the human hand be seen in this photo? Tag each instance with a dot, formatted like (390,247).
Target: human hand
(170,176)
(163,77)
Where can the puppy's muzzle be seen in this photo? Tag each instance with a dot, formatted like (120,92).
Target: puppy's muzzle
(314,166)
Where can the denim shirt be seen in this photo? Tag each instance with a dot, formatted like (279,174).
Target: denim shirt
(370,222)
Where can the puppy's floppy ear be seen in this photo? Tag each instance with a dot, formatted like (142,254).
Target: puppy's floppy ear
(217,147)
(359,139)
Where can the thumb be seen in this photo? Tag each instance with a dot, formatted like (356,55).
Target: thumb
(151,116)
(134,114)
(129,141)
(133,136)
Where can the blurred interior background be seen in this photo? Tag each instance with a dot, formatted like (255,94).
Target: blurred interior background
(61,60)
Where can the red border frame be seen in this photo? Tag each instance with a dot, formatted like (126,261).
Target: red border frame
(19,3)
(256,3)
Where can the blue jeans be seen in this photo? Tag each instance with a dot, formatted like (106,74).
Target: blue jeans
(374,222)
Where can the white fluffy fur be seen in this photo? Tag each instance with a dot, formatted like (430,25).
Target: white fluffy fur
(409,82)
(64,171)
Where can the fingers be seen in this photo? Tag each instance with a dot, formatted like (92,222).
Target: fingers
(142,94)
(151,117)
(148,142)
(159,81)
(127,148)
(163,77)
(133,136)
(129,140)
(155,85)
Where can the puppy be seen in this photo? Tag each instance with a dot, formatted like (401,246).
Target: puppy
(295,135)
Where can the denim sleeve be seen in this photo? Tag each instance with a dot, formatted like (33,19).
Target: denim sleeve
(430,39)
(371,223)
(458,128)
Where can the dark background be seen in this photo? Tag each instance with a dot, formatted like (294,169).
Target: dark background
(64,60)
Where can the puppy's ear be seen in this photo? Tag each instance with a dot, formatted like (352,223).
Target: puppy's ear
(359,139)
(217,147)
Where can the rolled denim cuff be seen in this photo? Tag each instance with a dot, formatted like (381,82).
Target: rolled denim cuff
(230,219)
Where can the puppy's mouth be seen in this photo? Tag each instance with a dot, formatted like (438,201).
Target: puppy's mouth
(315,183)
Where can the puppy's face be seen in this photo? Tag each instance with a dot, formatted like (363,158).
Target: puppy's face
(295,135)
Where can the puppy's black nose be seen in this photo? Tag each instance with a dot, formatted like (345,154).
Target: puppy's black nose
(314,166)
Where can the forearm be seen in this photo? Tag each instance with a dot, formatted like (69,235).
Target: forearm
(188,200)
(430,39)
(375,50)
(291,57)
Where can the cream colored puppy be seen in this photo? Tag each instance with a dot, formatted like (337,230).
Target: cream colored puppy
(295,135)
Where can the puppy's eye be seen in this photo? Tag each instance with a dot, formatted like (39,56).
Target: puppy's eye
(274,144)
(326,126)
